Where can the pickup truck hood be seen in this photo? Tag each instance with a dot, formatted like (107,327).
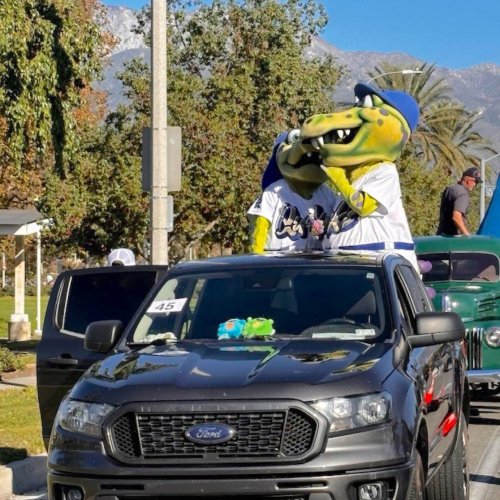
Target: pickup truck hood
(473,302)
(185,370)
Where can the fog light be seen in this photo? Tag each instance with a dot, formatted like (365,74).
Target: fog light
(72,493)
(372,491)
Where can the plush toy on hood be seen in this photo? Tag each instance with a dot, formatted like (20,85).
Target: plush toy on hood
(294,203)
(356,149)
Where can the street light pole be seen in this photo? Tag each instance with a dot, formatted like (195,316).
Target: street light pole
(482,200)
(400,72)
(159,189)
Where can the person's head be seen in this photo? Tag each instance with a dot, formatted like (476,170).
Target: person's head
(121,257)
(470,178)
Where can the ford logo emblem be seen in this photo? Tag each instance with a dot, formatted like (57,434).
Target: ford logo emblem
(210,433)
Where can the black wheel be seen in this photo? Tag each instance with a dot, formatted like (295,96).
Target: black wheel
(416,488)
(451,482)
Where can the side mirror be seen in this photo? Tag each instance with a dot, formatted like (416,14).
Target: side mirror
(100,336)
(437,328)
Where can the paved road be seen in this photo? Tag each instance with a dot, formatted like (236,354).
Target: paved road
(484,449)
(483,452)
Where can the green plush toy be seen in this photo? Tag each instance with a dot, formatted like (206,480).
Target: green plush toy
(258,327)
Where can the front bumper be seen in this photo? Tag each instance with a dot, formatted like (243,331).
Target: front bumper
(483,376)
(337,486)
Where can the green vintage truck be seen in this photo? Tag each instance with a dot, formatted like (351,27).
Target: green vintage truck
(465,277)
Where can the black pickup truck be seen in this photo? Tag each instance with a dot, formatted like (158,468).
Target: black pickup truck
(282,376)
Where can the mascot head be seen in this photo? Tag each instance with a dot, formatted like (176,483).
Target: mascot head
(374,130)
(305,176)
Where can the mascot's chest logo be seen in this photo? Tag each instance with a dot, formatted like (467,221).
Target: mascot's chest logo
(292,225)
(343,219)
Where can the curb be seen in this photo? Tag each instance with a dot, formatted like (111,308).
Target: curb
(22,476)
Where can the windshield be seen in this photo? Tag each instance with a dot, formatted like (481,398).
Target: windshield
(461,266)
(310,302)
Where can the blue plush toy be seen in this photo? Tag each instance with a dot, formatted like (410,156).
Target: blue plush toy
(231,329)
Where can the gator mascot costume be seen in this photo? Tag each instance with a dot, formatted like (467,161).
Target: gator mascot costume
(291,211)
(356,149)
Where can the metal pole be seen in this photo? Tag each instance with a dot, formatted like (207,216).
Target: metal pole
(159,191)
(482,200)
(38,330)
(400,72)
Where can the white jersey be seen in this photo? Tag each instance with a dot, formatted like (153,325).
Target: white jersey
(386,229)
(290,215)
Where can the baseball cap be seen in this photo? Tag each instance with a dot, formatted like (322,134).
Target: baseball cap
(399,100)
(121,257)
(474,173)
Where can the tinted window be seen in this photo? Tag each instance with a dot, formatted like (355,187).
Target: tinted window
(415,289)
(461,266)
(343,302)
(95,297)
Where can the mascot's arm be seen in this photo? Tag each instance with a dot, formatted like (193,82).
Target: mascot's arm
(258,235)
(361,203)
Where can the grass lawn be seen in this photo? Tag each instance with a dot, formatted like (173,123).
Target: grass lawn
(20,426)
(7,308)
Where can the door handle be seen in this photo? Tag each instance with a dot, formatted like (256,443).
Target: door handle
(62,361)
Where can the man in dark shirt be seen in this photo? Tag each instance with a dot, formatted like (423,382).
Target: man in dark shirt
(455,203)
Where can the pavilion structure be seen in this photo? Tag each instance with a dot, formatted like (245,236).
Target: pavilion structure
(22,223)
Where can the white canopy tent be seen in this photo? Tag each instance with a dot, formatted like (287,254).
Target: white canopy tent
(22,223)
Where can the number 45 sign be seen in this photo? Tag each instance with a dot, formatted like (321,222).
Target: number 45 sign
(166,306)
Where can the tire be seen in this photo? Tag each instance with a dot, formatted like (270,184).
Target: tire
(451,482)
(416,488)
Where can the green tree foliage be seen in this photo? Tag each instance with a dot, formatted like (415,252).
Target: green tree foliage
(49,52)
(100,205)
(95,202)
(238,75)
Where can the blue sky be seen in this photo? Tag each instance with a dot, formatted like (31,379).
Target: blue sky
(449,33)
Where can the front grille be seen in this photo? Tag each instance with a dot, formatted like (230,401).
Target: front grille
(474,338)
(157,437)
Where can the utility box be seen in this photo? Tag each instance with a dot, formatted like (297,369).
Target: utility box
(174,158)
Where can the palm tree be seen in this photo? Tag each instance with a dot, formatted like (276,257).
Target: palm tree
(445,137)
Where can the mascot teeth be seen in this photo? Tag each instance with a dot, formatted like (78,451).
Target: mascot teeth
(338,136)
(318,142)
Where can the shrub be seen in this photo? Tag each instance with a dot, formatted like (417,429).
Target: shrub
(9,362)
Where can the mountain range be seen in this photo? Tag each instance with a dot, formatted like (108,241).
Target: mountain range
(477,87)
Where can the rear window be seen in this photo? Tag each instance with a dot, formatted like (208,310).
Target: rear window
(461,266)
(95,297)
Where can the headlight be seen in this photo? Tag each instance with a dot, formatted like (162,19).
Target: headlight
(86,418)
(492,336)
(355,412)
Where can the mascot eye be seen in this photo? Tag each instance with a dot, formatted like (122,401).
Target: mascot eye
(293,136)
(366,102)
